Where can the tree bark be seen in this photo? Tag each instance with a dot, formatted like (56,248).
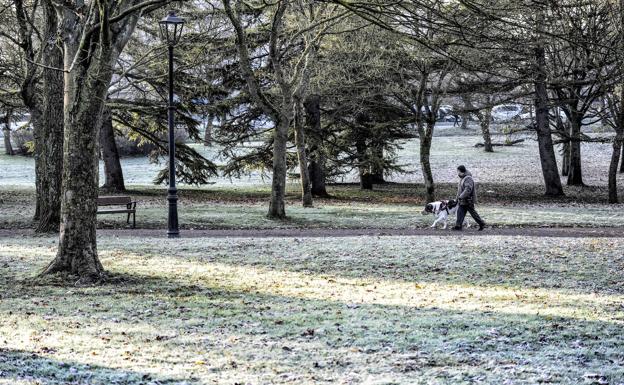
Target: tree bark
(575,175)
(548,159)
(613,168)
(49,137)
(6,130)
(378,168)
(208,132)
(29,93)
(113,173)
(88,61)
(484,120)
(277,206)
(366,180)
(302,157)
(465,115)
(77,253)
(316,167)
(425,153)
(317,177)
(563,130)
(565,159)
(618,113)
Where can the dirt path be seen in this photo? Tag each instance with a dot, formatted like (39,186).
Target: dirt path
(565,232)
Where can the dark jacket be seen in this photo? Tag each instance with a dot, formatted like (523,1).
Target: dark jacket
(467,190)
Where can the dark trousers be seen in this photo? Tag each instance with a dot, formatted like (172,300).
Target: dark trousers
(461,214)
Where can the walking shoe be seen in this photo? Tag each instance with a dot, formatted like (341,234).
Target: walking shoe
(481,227)
(456,228)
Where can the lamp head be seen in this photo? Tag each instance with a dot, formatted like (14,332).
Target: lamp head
(171,28)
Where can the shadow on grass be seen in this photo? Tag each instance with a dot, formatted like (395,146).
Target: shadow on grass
(320,338)
(581,265)
(35,368)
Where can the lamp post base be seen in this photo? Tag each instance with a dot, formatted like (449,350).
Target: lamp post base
(172,197)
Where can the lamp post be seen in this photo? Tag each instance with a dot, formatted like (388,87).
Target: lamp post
(171,31)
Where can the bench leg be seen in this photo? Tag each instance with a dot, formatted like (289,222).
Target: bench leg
(128,220)
(134,220)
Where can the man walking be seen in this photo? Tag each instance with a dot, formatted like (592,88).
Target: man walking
(455,119)
(467,197)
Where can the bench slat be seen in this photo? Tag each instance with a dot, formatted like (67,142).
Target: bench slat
(121,200)
(120,211)
(114,200)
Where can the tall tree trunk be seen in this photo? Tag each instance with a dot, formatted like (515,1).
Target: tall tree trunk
(86,87)
(621,67)
(6,131)
(484,120)
(378,161)
(300,141)
(208,132)
(90,56)
(426,139)
(565,159)
(317,176)
(563,131)
(312,106)
(613,167)
(277,207)
(575,175)
(49,137)
(366,180)
(282,115)
(544,137)
(29,94)
(465,116)
(113,173)
(464,124)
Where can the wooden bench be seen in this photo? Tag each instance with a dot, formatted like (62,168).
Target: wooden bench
(130,206)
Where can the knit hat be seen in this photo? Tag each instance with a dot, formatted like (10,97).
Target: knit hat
(461,168)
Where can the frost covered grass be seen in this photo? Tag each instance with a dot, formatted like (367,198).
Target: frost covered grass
(388,207)
(518,164)
(375,310)
(510,193)
(360,216)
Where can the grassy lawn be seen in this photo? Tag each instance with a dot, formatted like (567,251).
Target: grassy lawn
(374,310)
(510,193)
(507,165)
(387,207)
(359,310)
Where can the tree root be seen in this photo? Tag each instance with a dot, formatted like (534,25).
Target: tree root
(87,277)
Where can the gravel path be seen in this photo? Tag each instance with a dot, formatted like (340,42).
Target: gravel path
(571,232)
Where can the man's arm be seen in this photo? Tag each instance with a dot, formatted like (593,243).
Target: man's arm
(467,190)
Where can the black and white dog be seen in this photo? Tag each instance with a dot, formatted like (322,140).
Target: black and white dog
(441,210)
